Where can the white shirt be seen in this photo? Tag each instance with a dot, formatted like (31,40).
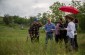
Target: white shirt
(70,29)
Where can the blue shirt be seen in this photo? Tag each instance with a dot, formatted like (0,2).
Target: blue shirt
(49,27)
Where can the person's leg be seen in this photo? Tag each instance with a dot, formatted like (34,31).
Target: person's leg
(66,40)
(37,37)
(47,37)
(56,38)
(76,43)
(60,37)
(51,36)
(72,43)
(32,38)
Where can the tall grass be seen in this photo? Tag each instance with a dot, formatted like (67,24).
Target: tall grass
(13,42)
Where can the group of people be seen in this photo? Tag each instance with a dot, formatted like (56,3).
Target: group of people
(66,31)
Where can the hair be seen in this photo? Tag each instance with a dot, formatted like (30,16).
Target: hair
(61,19)
(75,20)
(69,17)
(48,19)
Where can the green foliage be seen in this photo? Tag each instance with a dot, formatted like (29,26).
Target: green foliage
(55,9)
(43,19)
(7,19)
(81,15)
(31,19)
(20,20)
(11,20)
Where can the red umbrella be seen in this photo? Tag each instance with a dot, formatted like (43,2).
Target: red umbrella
(69,9)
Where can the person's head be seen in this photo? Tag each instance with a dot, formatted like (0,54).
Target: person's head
(35,21)
(49,20)
(66,17)
(69,18)
(60,20)
(75,20)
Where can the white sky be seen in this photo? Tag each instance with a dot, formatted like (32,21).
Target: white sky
(26,7)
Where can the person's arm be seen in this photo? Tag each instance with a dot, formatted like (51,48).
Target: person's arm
(69,28)
(39,24)
(53,27)
(58,26)
(45,28)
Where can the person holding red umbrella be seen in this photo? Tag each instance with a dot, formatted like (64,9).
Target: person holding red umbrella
(70,31)
(71,9)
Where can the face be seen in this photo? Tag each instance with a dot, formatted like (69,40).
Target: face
(49,21)
(60,21)
(69,20)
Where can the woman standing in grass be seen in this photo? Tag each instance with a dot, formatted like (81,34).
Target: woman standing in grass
(70,31)
(58,36)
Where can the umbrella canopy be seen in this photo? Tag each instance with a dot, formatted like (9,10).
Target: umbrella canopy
(69,9)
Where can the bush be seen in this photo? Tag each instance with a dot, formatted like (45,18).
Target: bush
(7,19)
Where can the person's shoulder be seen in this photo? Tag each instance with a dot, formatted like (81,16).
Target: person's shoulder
(71,23)
(52,24)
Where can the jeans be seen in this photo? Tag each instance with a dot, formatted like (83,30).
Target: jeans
(72,43)
(57,38)
(49,36)
(76,43)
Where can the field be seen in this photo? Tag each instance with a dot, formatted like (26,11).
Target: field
(13,41)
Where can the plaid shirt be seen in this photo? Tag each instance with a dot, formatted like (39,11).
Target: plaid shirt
(34,29)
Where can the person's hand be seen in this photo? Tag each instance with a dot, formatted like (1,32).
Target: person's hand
(62,29)
(52,29)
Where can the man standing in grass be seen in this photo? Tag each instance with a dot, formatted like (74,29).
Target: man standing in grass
(49,28)
(75,36)
(34,30)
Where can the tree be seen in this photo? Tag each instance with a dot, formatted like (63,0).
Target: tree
(7,19)
(81,15)
(55,9)
(43,20)
(31,19)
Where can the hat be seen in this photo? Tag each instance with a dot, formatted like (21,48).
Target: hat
(36,19)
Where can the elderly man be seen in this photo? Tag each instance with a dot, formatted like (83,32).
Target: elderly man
(34,30)
(49,27)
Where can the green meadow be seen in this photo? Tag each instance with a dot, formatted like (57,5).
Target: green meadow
(13,41)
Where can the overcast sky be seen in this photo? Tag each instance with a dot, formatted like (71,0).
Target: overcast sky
(26,7)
